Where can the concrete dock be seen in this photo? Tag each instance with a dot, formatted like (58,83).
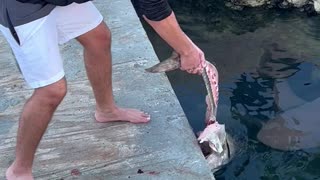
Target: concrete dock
(77,147)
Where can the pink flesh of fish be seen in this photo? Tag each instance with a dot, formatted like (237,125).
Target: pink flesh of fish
(212,73)
(214,133)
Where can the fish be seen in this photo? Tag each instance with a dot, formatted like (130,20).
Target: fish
(214,135)
(173,63)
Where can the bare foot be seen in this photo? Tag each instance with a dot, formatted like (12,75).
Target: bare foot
(122,114)
(11,174)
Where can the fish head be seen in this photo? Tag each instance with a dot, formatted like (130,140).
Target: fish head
(215,134)
(172,63)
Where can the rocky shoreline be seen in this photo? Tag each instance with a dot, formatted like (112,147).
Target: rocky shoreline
(311,7)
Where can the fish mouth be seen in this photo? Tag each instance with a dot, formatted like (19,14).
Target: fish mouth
(215,134)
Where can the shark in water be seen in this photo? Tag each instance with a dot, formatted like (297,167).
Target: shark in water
(296,126)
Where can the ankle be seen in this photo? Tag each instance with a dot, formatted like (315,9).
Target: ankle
(106,110)
(17,171)
(12,176)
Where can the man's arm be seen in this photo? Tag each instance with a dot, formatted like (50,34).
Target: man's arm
(170,31)
(162,19)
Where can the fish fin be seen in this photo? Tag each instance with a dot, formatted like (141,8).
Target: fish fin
(172,63)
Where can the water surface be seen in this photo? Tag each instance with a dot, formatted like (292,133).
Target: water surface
(268,62)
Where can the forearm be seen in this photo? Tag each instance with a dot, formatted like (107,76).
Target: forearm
(170,31)
(160,16)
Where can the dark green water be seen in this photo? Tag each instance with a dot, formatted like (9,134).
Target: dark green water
(268,62)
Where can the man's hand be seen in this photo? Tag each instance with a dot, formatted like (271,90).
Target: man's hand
(170,31)
(190,61)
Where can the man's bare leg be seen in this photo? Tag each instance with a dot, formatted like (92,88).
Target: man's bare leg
(97,57)
(36,115)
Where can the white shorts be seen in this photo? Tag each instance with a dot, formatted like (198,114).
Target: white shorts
(38,54)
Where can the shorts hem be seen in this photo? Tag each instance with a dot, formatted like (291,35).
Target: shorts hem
(52,80)
(82,31)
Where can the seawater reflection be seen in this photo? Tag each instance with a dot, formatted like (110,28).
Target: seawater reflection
(269,85)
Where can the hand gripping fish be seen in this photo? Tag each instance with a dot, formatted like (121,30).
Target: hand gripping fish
(214,133)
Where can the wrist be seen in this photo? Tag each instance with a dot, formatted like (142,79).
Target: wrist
(186,47)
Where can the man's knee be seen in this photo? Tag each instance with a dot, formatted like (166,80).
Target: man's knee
(104,34)
(99,37)
(52,94)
